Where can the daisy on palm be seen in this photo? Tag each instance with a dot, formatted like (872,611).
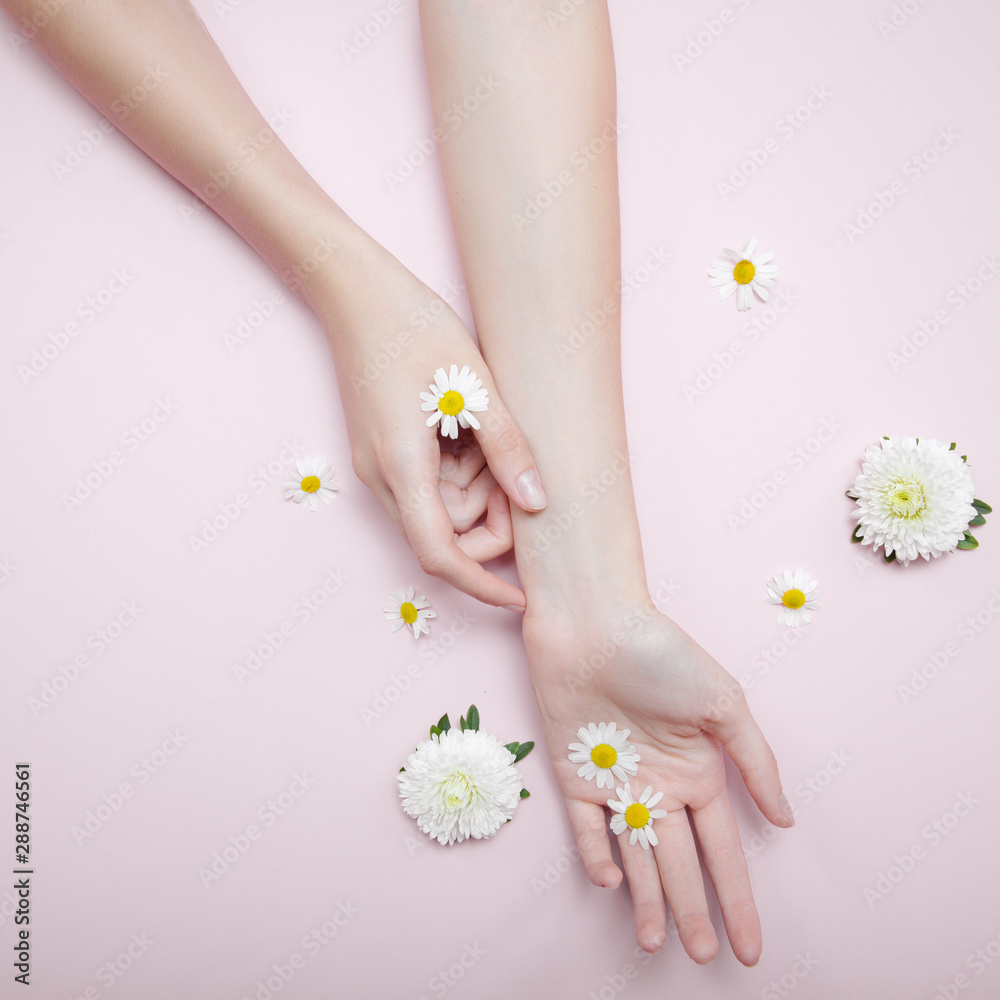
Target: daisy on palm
(315,479)
(453,398)
(743,274)
(796,596)
(636,815)
(604,753)
(405,610)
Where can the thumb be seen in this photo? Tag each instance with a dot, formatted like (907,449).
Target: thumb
(509,457)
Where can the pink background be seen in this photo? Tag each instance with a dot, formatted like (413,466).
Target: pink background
(868,773)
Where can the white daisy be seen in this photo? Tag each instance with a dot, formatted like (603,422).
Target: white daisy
(914,497)
(453,397)
(743,274)
(604,753)
(460,784)
(636,815)
(406,611)
(795,593)
(315,478)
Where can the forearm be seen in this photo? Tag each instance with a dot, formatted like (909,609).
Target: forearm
(532,180)
(154,71)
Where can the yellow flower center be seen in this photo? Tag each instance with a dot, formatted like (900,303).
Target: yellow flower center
(408,612)
(793,599)
(310,484)
(637,815)
(906,498)
(451,403)
(603,755)
(458,791)
(744,272)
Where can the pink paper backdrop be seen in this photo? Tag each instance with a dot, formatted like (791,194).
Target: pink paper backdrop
(783,120)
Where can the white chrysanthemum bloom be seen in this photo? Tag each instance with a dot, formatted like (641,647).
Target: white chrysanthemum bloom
(636,815)
(743,274)
(460,784)
(914,497)
(795,594)
(604,753)
(406,611)
(453,397)
(315,478)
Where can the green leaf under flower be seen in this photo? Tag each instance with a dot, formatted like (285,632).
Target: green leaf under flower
(525,793)
(523,750)
(968,542)
(982,507)
(472,722)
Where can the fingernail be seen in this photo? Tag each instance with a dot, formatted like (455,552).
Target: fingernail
(530,488)
(515,607)
(786,810)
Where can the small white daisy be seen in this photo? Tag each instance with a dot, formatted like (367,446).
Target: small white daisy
(604,753)
(795,594)
(636,815)
(743,274)
(404,610)
(914,497)
(460,784)
(453,397)
(315,478)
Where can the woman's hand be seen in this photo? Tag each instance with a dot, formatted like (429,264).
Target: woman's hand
(636,668)
(389,334)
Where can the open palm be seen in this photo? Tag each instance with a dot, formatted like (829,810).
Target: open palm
(640,671)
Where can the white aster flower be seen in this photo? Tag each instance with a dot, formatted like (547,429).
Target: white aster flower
(453,397)
(604,753)
(404,610)
(743,274)
(636,815)
(914,498)
(460,784)
(796,596)
(315,478)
